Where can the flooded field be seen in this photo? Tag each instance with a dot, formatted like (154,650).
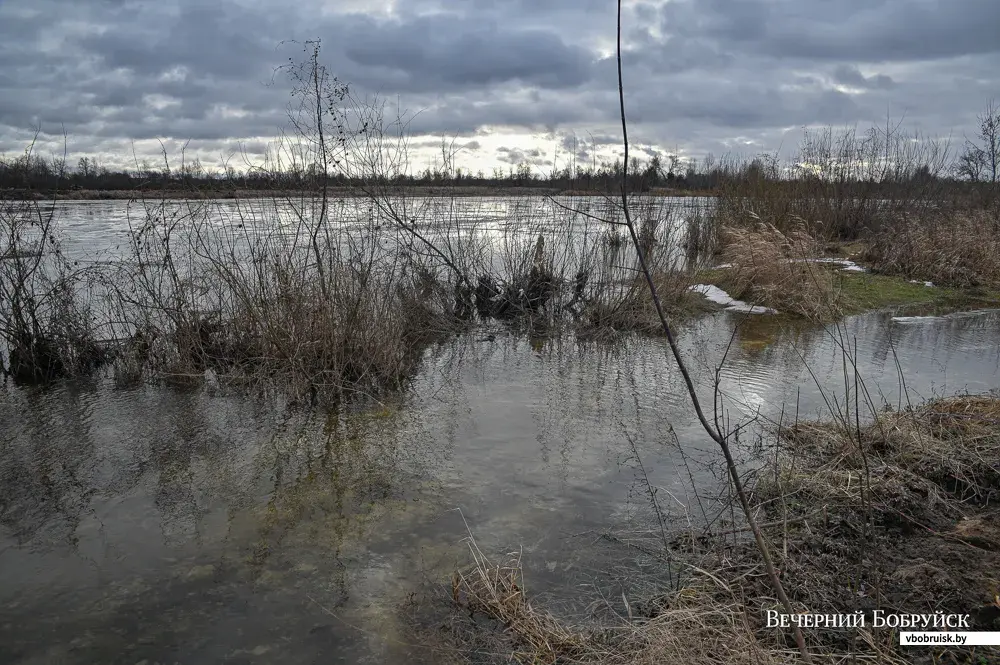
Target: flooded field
(98,230)
(196,525)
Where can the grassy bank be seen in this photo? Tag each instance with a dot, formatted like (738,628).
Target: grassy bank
(864,292)
(857,292)
(897,515)
(949,266)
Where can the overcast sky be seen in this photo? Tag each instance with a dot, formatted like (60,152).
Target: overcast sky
(515,80)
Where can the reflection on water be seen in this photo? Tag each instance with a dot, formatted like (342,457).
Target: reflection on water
(194,526)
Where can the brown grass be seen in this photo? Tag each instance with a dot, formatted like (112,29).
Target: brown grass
(704,622)
(631,309)
(846,183)
(715,617)
(773,269)
(498,591)
(898,514)
(918,459)
(960,249)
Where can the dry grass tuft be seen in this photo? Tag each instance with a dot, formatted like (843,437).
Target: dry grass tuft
(960,250)
(710,619)
(774,269)
(497,591)
(707,621)
(630,308)
(704,623)
(916,460)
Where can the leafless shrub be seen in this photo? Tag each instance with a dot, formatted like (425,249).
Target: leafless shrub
(46,328)
(844,183)
(249,302)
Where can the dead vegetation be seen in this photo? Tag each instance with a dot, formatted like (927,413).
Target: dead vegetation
(258,294)
(909,520)
(950,447)
(705,622)
(960,249)
(847,183)
(777,269)
(46,327)
(898,515)
(250,303)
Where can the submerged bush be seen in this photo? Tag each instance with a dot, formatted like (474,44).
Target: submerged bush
(252,305)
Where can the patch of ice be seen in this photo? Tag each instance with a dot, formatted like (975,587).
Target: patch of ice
(917,281)
(717,295)
(723,266)
(746,308)
(845,264)
(713,293)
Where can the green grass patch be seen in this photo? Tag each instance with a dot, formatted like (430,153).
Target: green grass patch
(859,292)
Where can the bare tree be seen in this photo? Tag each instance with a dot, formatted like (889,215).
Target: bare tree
(320,96)
(971,163)
(981,158)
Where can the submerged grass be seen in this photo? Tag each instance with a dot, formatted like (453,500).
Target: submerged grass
(704,622)
(898,515)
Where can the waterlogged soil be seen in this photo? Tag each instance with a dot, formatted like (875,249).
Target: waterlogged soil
(198,526)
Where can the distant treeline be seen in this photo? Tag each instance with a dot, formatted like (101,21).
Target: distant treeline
(34,174)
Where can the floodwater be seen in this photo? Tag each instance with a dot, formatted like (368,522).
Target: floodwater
(197,526)
(98,230)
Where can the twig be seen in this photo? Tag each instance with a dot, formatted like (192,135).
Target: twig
(688,382)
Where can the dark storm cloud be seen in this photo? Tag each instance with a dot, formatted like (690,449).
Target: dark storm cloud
(701,75)
(465,52)
(852,30)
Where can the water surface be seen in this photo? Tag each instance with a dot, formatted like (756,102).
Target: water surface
(200,526)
